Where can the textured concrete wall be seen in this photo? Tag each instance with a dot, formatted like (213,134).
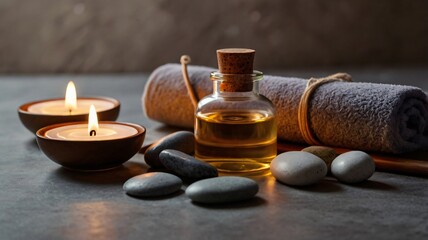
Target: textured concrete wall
(138,35)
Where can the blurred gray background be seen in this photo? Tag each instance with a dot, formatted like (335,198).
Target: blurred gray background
(103,36)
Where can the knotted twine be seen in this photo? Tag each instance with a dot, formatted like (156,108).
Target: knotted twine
(303,110)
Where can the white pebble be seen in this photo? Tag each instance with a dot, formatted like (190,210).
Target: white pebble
(353,167)
(298,168)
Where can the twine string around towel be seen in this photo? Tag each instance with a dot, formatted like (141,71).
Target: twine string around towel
(185,60)
(303,110)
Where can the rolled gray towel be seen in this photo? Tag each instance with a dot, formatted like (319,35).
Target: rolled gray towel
(355,115)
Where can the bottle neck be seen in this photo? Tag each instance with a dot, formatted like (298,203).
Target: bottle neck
(217,90)
(236,85)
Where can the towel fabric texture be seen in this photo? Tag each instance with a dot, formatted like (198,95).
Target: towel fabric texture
(354,115)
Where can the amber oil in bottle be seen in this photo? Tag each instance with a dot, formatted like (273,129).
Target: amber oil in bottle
(235,127)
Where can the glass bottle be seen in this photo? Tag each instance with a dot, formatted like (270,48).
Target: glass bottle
(235,127)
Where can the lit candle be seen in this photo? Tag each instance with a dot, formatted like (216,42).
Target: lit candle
(71,105)
(91,145)
(38,114)
(91,131)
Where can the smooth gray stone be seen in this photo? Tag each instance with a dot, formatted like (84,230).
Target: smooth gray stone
(222,190)
(186,165)
(327,154)
(353,167)
(298,168)
(152,184)
(183,141)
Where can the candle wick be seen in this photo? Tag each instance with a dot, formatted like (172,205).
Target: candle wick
(69,111)
(93,133)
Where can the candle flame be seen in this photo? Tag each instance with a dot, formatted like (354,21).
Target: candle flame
(71,97)
(93,121)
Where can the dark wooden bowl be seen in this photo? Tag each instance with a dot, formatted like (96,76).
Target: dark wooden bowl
(35,121)
(91,155)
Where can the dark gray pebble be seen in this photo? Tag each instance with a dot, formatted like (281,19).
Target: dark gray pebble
(222,190)
(183,141)
(153,184)
(186,165)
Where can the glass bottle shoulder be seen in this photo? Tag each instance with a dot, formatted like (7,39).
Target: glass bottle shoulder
(249,103)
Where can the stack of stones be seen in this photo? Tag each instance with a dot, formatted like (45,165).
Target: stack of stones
(173,152)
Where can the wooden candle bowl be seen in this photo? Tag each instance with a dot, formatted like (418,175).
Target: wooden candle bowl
(36,121)
(90,155)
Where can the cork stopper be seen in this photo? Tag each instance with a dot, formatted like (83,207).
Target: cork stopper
(237,61)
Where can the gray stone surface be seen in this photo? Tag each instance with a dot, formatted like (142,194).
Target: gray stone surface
(40,200)
(186,165)
(222,190)
(182,140)
(137,35)
(353,167)
(154,184)
(298,168)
